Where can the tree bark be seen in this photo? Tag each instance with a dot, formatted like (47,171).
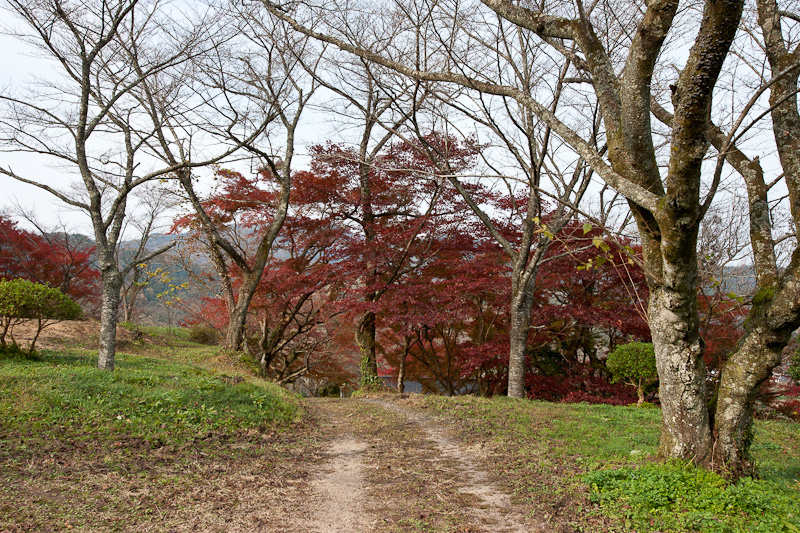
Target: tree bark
(674,327)
(401,369)
(640,392)
(365,337)
(776,305)
(401,373)
(108,319)
(520,319)
(235,334)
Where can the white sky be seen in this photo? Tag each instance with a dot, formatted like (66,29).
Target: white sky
(19,64)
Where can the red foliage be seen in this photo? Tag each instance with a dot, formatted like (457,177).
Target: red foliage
(781,396)
(54,259)
(240,207)
(721,326)
(589,284)
(437,283)
(578,384)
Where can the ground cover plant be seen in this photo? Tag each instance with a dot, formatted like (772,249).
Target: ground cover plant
(180,437)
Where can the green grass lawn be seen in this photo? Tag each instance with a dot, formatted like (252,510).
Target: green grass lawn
(157,400)
(156,441)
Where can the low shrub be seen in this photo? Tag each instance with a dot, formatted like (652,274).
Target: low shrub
(204,335)
(578,384)
(22,300)
(635,364)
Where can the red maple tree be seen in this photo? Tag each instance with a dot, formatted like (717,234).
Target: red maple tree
(58,260)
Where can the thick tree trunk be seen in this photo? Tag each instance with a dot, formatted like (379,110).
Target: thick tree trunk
(773,318)
(520,320)
(235,334)
(365,337)
(108,319)
(686,432)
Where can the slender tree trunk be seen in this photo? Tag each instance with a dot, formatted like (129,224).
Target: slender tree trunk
(6,325)
(265,348)
(108,319)
(640,392)
(401,370)
(520,319)
(36,335)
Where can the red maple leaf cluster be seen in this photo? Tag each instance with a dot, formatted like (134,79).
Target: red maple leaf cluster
(58,260)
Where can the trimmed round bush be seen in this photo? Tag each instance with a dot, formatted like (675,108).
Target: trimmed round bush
(635,364)
(22,300)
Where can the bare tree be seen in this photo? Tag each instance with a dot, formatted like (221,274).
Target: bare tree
(775,311)
(153,202)
(256,78)
(88,121)
(521,153)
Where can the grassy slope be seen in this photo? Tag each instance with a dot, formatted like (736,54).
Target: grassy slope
(164,439)
(77,443)
(548,453)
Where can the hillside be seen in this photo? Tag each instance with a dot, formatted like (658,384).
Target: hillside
(180,438)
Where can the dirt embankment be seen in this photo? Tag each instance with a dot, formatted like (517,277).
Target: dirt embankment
(70,333)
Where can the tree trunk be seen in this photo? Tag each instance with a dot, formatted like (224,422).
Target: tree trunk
(108,319)
(776,306)
(265,348)
(401,370)
(769,326)
(235,334)
(733,420)
(520,319)
(686,432)
(640,392)
(365,337)
(235,337)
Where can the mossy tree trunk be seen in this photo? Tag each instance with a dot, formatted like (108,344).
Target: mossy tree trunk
(775,311)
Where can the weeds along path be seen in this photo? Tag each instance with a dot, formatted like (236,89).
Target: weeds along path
(391,468)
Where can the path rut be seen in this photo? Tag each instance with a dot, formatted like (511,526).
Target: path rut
(389,468)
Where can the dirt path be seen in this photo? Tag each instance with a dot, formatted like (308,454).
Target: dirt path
(356,466)
(338,492)
(389,467)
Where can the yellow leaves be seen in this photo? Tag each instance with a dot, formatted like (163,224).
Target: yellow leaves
(542,228)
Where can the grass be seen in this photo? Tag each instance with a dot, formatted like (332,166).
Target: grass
(176,436)
(598,460)
(146,441)
(157,400)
